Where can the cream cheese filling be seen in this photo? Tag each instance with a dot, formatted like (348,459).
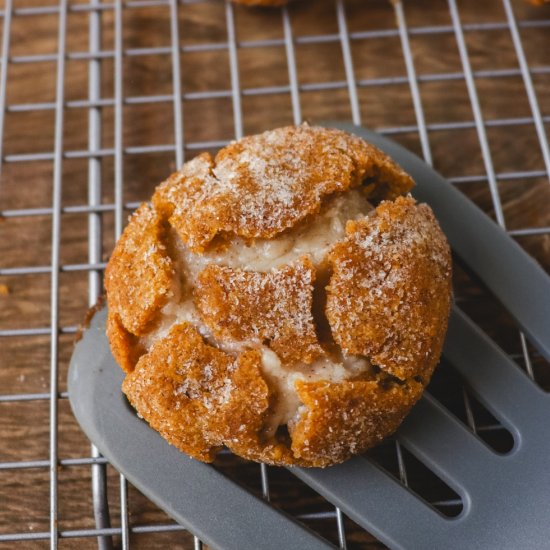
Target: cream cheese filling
(288,408)
(313,239)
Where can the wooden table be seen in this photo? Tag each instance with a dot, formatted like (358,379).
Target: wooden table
(148,135)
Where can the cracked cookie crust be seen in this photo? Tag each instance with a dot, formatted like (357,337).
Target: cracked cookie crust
(286,299)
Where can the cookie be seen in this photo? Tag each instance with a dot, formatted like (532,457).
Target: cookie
(286,299)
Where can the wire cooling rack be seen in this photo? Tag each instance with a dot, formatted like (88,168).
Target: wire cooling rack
(100,101)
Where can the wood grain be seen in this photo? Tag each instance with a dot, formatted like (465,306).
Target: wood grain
(385,103)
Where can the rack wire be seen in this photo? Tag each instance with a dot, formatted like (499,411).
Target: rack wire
(190,75)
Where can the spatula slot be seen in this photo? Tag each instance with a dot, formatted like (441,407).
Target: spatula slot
(483,307)
(401,464)
(302,503)
(288,493)
(536,366)
(485,425)
(451,390)
(237,469)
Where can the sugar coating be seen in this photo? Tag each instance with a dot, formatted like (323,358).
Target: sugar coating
(344,419)
(273,308)
(313,237)
(183,386)
(126,347)
(262,303)
(139,274)
(261,185)
(389,295)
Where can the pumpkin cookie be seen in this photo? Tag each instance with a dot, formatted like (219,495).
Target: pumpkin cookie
(286,299)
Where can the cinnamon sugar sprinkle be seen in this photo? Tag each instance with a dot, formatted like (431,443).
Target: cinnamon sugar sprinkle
(263,303)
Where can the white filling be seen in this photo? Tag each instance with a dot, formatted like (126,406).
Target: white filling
(313,239)
(174,313)
(288,407)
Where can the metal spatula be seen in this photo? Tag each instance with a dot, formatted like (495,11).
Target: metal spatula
(506,497)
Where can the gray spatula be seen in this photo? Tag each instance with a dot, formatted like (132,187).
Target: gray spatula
(506,497)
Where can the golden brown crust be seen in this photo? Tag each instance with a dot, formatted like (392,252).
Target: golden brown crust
(139,275)
(272,308)
(183,191)
(242,420)
(261,185)
(389,296)
(198,397)
(125,347)
(387,302)
(176,385)
(346,418)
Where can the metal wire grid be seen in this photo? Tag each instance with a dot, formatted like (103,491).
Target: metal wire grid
(96,152)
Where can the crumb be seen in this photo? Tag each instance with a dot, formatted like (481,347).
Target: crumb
(88,317)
